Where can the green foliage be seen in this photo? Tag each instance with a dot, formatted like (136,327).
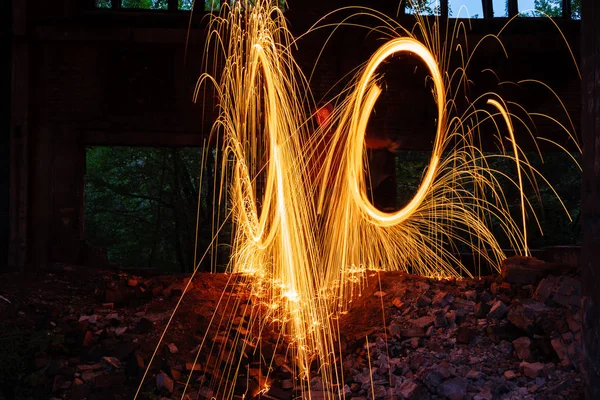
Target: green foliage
(145,4)
(212,5)
(432,7)
(553,8)
(209,5)
(423,7)
(565,178)
(561,172)
(141,205)
(186,5)
(103,4)
(409,171)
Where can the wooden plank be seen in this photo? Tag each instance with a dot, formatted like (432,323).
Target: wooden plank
(590,201)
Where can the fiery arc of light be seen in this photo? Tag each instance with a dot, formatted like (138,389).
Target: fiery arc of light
(302,274)
(306,275)
(273,248)
(511,132)
(358,127)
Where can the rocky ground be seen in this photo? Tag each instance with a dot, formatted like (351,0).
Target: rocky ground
(74,332)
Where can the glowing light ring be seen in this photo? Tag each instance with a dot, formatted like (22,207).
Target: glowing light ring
(255,225)
(368,91)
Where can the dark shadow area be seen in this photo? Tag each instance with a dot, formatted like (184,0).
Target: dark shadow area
(5,89)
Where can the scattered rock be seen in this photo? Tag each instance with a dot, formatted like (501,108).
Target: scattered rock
(563,291)
(415,331)
(498,310)
(398,303)
(473,374)
(485,394)
(455,388)
(522,347)
(423,322)
(465,334)
(464,304)
(510,374)
(439,319)
(455,339)
(164,382)
(527,314)
(411,390)
(471,295)
(442,299)
(524,270)
(561,350)
(145,325)
(172,348)
(532,370)
(111,362)
(423,301)
(481,310)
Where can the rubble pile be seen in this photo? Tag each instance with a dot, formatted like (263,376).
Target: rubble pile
(84,333)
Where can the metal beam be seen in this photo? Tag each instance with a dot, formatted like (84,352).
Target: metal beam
(566,9)
(444,9)
(488,8)
(513,8)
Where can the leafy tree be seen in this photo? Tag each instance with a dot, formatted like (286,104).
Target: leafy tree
(103,4)
(557,167)
(209,5)
(145,4)
(185,4)
(423,7)
(553,8)
(141,205)
(429,7)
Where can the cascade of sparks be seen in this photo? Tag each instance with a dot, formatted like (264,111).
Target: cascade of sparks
(303,240)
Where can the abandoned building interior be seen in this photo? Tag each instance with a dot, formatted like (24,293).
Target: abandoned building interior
(112,74)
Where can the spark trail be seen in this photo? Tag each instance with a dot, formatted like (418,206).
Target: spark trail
(302,245)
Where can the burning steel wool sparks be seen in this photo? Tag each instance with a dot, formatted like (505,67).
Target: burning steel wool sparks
(303,241)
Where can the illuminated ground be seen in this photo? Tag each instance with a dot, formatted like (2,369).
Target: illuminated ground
(53,346)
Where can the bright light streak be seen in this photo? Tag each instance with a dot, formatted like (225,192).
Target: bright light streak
(358,127)
(301,273)
(511,132)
